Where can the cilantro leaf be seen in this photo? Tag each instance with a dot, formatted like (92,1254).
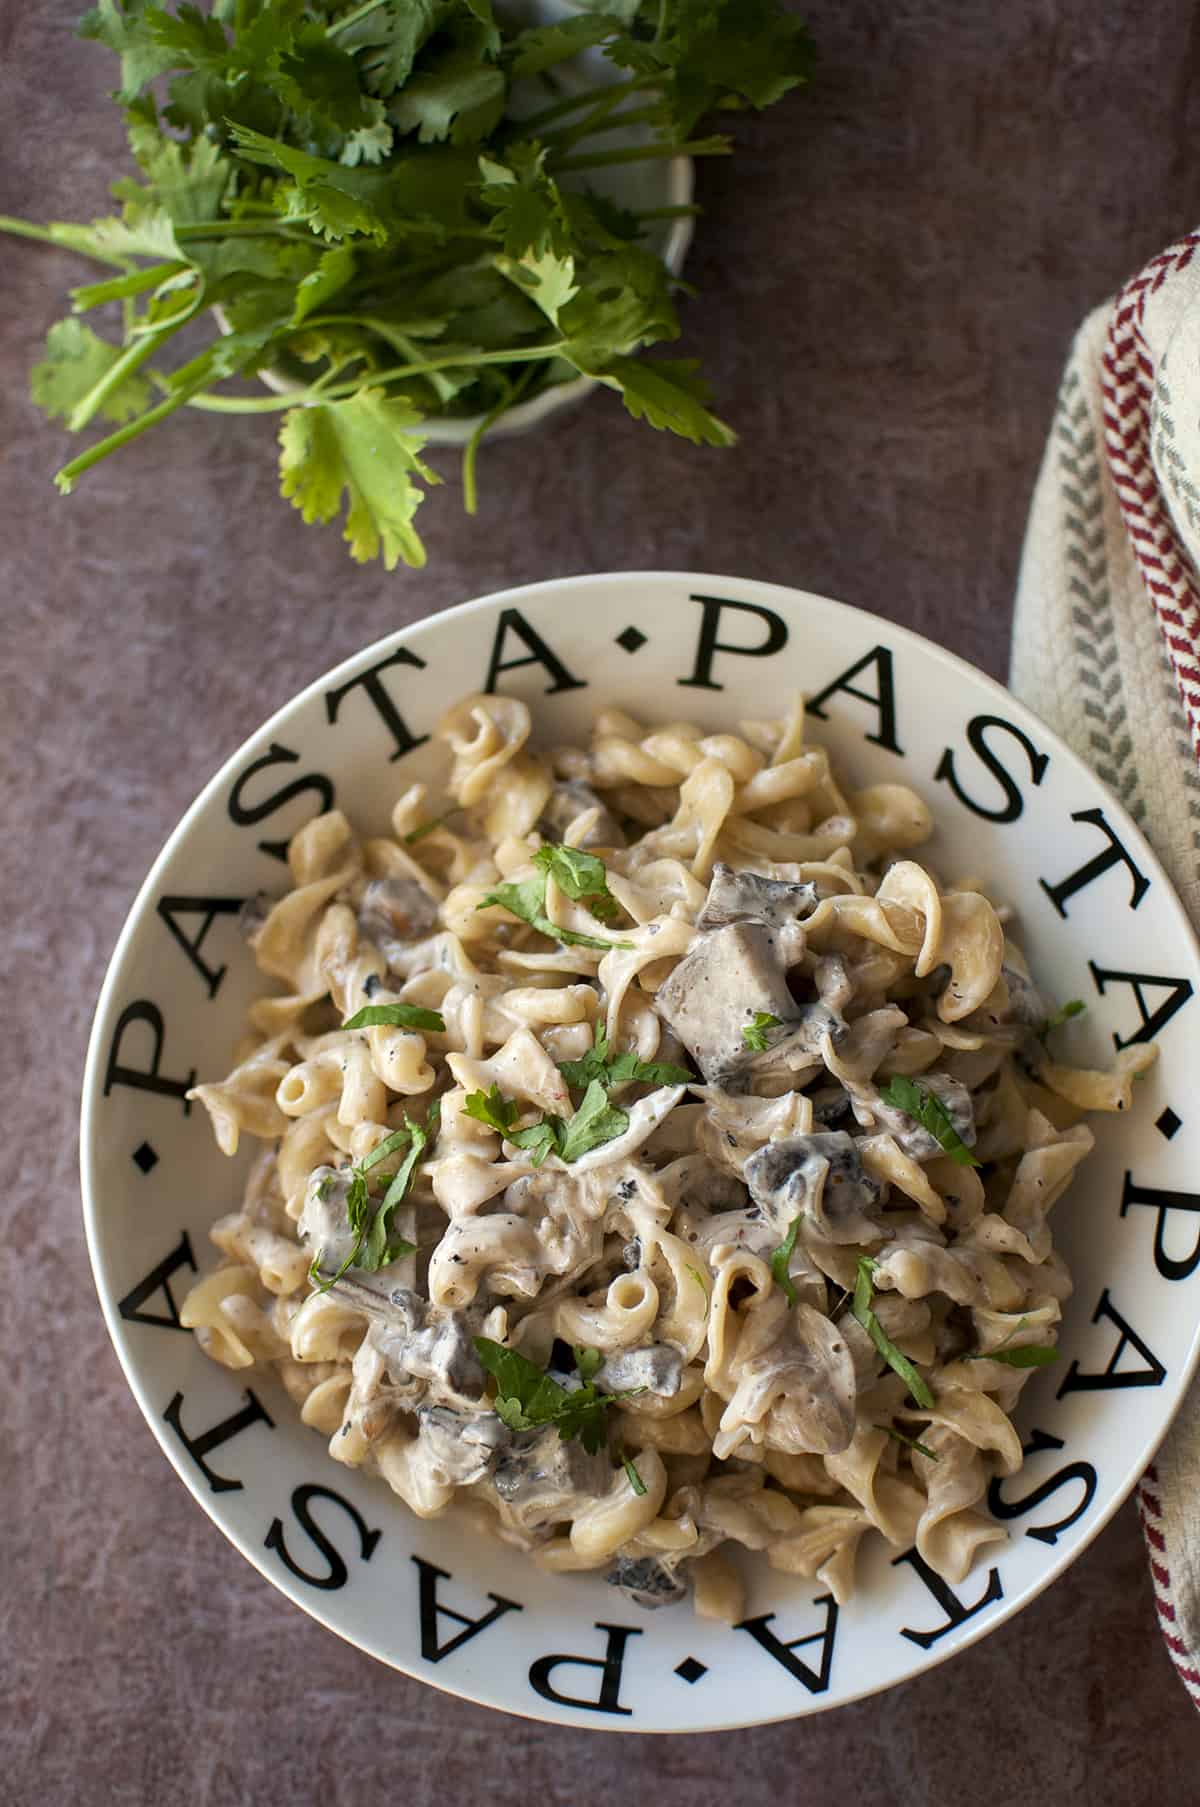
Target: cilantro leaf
(780,1261)
(918,1102)
(397,1016)
(860,1307)
(366,446)
(701,1282)
(577,874)
(456,93)
(670,395)
(538,1141)
(526,1398)
(123,29)
(594,1123)
(540,47)
(755,1033)
(371,1223)
(77,359)
(527,900)
(334,201)
(909,1442)
(492,1108)
(620,1068)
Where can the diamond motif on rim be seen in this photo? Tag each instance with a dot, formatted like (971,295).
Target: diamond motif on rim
(145,1157)
(690,1669)
(632,640)
(1168,1124)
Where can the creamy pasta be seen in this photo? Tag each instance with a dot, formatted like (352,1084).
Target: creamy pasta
(657,1158)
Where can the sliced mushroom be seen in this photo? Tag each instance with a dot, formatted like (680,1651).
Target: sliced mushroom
(656,1369)
(539,1480)
(460,1447)
(736,895)
(395,909)
(646,1580)
(821,1175)
(419,1341)
(566,803)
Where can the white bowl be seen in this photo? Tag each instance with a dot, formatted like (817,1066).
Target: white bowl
(1014,807)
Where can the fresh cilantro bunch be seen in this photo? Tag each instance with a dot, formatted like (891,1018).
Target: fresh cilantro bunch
(386,202)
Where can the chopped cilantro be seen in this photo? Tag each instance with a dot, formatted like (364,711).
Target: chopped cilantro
(526,1397)
(780,1261)
(1075,1007)
(616,1069)
(860,1307)
(632,1476)
(755,1033)
(370,1220)
(527,899)
(918,1102)
(396,1016)
(909,1442)
(1025,1355)
(594,1123)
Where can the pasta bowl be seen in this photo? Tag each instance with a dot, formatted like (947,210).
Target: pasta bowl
(1015,816)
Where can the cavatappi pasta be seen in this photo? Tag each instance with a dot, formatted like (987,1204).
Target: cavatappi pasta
(797,1302)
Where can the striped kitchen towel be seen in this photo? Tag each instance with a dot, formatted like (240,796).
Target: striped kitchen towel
(1106,648)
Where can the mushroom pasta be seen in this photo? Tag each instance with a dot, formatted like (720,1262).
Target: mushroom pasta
(657,1158)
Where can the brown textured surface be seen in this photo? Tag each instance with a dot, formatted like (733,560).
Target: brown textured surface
(887,294)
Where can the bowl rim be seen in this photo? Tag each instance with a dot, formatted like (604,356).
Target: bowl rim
(92,1088)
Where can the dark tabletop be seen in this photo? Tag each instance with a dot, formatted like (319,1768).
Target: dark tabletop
(889,274)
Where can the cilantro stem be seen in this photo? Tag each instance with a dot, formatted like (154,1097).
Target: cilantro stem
(586,97)
(601,119)
(65,478)
(131,359)
(642,153)
(48,236)
(471,449)
(267,404)
(360,12)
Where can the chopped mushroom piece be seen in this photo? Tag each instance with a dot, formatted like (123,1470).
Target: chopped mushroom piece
(566,803)
(657,1369)
(730,975)
(540,1479)
(819,1174)
(395,909)
(461,1446)
(738,896)
(646,1581)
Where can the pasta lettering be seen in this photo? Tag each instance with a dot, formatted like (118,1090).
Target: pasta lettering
(371,680)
